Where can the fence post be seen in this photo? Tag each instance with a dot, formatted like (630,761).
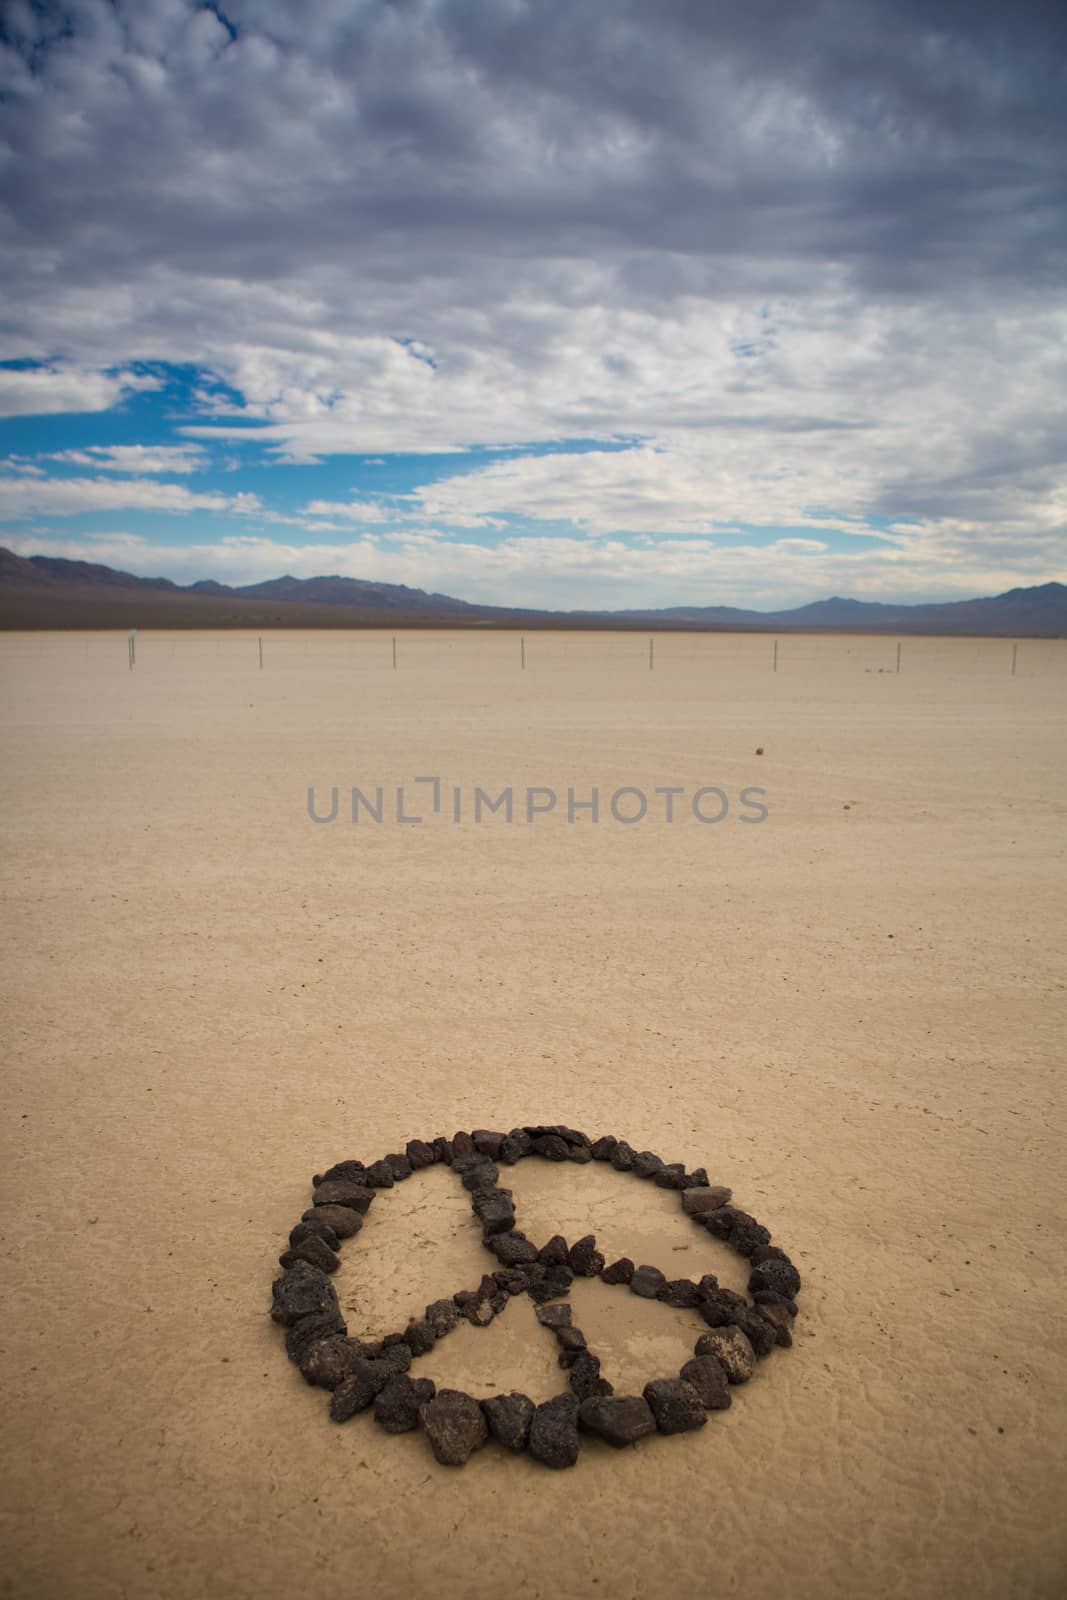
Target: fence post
(650,655)
(1014,653)
(261,654)
(522,652)
(776,655)
(394,652)
(132,647)
(898,655)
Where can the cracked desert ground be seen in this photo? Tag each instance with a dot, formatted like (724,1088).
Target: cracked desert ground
(851,1013)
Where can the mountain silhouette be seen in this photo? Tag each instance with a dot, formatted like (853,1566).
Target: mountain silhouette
(53,592)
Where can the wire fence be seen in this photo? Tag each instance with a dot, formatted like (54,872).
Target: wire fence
(420,651)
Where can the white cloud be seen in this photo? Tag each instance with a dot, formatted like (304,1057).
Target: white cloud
(680,488)
(349,510)
(39,391)
(134,458)
(67,497)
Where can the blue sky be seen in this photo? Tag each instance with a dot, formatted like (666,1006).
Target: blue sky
(645,307)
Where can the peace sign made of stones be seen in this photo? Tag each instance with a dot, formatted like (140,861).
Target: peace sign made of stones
(362,1373)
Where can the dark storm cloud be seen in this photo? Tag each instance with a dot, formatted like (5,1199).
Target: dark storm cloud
(908,141)
(811,253)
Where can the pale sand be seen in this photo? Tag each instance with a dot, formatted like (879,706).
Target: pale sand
(210,997)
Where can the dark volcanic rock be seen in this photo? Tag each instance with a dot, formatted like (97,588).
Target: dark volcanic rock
(342,1172)
(732,1350)
(781,1322)
(509,1417)
(762,1335)
(552,1147)
(315,1251)
(570,1341)
(747,1238)
(554,1432)
(301,1291)
(603,1149)
(512,1249)
(516,1146)
(396,1407)
(767,1252)
(708,1377)
(420,1154)
(395,1357)
(467,1297)
(399,1166)
(698,1202)
(622,1157)
(380,1175)
(304,1333)
(488,1143)
(420,1337)
(553,1286)
(580,1153)
(462,1145)
(680,1293)
(586,1381)
(455,1426)
(325,1363)
(314,1229)
(442,1150)
(646,1164)
(511,1279)
(495,1210)
(344,1221)
(479,1313)
(778,1274)
(339,1192)
(647,1282)
(740,1230)
(366,1380)
(443,1316)
(573,1136)
(478,1173)
(770,1297)
(620,1271)
(671,1176)
(618,1420)
(697,1179)
(554,1316)
(584,1259)
(554,1253)
(720,1308)
(675,1405)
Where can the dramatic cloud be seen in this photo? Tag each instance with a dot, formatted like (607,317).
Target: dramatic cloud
(806,262)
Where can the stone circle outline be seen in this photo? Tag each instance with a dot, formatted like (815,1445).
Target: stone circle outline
(362,1374)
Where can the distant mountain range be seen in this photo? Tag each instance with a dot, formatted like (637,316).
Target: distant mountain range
(48,592)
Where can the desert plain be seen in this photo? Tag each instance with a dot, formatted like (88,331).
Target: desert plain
(850,1012)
